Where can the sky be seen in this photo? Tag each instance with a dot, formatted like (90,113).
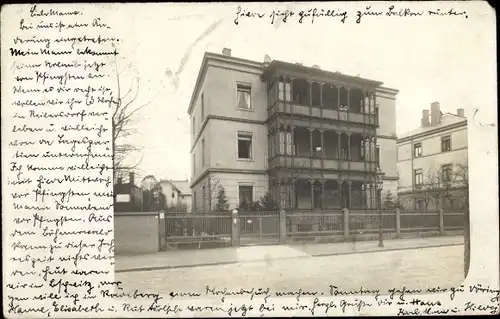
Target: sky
(427,59)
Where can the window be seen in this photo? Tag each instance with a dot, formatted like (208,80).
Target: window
(417,150)
(282,142)
(446,171)
(289,143)
(245,194)
(362,149)
(288,92)
(202,107)
(377,156)
(272,145)
(194,127)
(445,144)
(283,194)
(194,163)
(203,194)
(203,152)
(243,96)
(173,195)
(194,202)
(419,177)
(244,145)
(281,89)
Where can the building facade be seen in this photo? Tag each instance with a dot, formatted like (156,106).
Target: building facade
(177,194)
(313,139)
(432,162)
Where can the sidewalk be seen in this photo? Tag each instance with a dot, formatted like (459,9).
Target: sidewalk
(231,255)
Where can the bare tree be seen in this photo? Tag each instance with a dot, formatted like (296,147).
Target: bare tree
(209,192)
(453,187)
(125,108)
(460,184)
(431,189)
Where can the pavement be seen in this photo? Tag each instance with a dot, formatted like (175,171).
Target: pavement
(271,253)
(413,268)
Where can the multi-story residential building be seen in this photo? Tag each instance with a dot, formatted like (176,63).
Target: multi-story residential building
(432,160)
(312,138)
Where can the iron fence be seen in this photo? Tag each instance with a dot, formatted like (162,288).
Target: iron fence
(454,220)
(260,227)
(418,220)
(369,223)
(326,223)
(192,227)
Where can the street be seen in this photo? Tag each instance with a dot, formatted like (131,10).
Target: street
(413,268)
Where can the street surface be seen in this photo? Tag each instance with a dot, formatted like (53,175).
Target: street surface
(413,268)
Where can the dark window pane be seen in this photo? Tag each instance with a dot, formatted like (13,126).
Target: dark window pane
(244,147)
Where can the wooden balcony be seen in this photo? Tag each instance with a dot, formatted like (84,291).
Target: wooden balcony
(318,163)
(325,113)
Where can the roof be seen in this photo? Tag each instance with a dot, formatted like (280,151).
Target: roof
(447,119)
(266,68)
(314,71)
(181,185)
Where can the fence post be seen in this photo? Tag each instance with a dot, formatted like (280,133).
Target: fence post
(346,223)
(282,226)
(441,222)
(398,223)
(162,225)
(260,225)
(235,229)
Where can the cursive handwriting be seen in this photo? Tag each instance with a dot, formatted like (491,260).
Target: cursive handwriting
(60,173)
(311,15)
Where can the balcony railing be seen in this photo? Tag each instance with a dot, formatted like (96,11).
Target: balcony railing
(335,114)
(315,162)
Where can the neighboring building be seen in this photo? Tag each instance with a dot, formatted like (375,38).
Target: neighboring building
(177,194)
(312,138)
(185,193)
(128,195)
(432,159)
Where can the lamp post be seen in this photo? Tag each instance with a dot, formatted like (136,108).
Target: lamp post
(378,187)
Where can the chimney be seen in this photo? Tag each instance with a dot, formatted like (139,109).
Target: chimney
(131,178)
(425,118)
(226,52)
(460,112)
(267,59)
(435,114)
